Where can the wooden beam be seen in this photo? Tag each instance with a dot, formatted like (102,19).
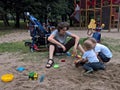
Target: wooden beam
(110,16)
(119,19)
(86,14)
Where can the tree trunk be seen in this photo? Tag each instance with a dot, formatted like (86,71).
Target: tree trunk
(5,20)
(46,19)
(17,23)
(71,23)
(64,17)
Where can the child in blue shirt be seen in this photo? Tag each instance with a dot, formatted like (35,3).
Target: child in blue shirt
(90,58)
(104,54)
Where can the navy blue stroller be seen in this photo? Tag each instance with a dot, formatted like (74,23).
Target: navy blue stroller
(38,33)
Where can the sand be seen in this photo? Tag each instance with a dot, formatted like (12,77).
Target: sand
(66,77)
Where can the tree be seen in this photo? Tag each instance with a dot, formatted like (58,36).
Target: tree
(3,11)
(42,9)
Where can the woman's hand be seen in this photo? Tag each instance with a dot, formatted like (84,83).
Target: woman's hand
(63,47)
(74,51)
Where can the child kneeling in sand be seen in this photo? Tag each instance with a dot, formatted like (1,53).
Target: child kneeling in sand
(90,58)
(103,52)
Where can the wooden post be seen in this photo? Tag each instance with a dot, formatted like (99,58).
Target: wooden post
(101,11)
(80,15)
(94,9)
(110,16)
(119,18)
(74,4)
(86,14)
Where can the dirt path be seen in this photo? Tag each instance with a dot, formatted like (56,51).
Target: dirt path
(15,36)
(113,34)
(23,35)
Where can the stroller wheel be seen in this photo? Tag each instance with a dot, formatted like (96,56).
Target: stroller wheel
(28,43)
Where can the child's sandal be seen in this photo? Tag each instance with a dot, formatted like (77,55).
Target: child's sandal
(49,63)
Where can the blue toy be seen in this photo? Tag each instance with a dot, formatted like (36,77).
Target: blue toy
(20,69)
(68,53)
(42,78)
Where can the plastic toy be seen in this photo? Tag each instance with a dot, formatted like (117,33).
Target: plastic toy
(56,66)
(42,78)
(73,55)
(62,60)
(7,77)
(76,61)
(78,56)
(92,24)
(33,76)
(20,69)
(68,54)
(103,25)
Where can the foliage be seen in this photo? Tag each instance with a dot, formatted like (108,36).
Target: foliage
(42,9)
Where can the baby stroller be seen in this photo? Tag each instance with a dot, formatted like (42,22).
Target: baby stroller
(38,33)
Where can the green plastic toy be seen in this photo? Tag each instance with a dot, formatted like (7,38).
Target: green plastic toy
(33,76)
(56,66)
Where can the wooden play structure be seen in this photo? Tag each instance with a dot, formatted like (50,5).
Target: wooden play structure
(105,11)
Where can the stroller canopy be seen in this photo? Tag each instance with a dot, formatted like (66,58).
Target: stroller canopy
(34,21)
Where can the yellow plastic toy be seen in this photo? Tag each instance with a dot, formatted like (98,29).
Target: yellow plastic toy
(103,25)
(78,56)
(35,76)
(91,27)
(7,77)
(92,24)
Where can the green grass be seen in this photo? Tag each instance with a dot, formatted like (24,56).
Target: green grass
(13,47)
(23,50)
(19,46)
(82,40)
(113,44)
(12,25)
